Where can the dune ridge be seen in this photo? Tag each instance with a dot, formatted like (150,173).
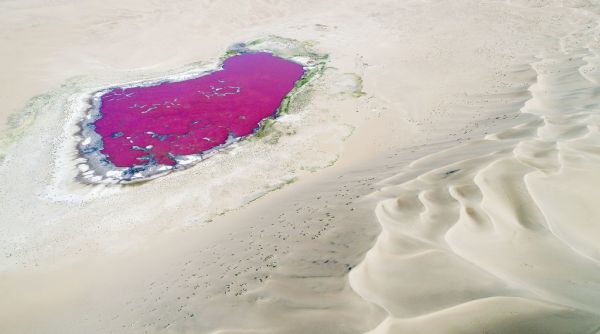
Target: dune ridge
(498,234)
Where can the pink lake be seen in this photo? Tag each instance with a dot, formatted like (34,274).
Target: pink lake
(149,125)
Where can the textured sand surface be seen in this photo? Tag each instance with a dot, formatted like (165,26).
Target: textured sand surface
(439,177)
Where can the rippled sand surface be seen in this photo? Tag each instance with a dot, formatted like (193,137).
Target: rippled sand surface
(439,176)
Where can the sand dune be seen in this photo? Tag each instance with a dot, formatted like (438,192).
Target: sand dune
(439,177)
(504,223)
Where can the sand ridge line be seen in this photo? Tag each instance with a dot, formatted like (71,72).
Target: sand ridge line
(489,214)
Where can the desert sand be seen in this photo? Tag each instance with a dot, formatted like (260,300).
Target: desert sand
(439,176)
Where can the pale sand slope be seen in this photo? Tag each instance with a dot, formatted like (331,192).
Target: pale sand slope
(502,232)
(494,236)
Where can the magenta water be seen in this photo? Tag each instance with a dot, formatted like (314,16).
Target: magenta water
(151,125)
